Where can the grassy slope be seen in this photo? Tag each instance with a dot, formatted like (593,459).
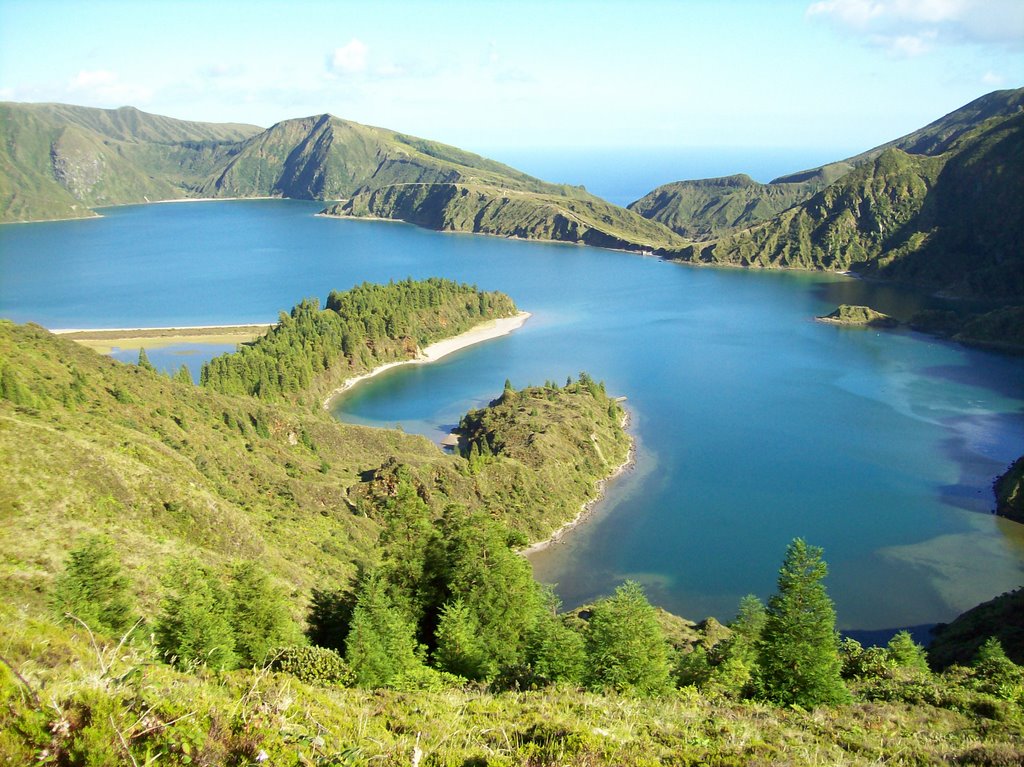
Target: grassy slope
(231,718)
(166,467)
(948,223)
(57,160)
(699,210)
(710,208)
(510,212)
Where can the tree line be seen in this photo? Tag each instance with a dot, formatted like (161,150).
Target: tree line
(451,603)
(359,329)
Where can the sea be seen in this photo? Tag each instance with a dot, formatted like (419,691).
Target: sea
(754,424)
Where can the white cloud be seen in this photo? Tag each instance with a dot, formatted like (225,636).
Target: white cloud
(992,78)
(350,58)
(914,27)
(106,87)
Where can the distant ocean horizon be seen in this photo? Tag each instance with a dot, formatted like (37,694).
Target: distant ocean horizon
(623,174)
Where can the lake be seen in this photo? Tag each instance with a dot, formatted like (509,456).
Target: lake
(754,423)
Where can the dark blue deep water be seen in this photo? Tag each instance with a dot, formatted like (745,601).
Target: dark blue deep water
(754,423)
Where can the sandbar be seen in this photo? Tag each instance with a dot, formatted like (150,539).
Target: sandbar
(105,340)
(482,332)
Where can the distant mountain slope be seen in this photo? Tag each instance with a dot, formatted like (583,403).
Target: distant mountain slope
(950,223)
(708,208)
(509,212)
(58,160)
(324,157)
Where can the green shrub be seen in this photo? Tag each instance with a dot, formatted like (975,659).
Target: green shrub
(93,589)
(313,665)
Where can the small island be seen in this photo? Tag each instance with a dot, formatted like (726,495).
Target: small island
(859,316)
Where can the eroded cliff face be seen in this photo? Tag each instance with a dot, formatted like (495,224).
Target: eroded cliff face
(1009,489)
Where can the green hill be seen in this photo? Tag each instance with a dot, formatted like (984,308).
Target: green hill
(948,223)
(59,161)
(510,212)
(701,209)
(710,208)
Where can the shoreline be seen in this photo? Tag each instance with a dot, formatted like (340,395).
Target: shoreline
(587,508)
(483,332)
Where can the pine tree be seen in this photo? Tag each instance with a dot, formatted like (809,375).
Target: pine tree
(193,626)
(459,648)
(93,589)
(144,362)
(184,375)
(798,653)
(626,648)
(381,643)
(259,615)
(904,652)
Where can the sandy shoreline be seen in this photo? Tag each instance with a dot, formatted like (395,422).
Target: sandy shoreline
(587,507)
(483,332)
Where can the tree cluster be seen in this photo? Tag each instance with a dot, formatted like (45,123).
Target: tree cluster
(359,328)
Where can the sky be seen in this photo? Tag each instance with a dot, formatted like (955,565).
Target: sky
(562,73)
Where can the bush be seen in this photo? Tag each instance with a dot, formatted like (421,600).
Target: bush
(313,665)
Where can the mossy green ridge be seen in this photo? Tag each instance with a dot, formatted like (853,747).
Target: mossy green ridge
(505,211)
(997,330)
(948,223)
(60,161)
(311,351)
(959,640)
(847,314)
(324,157)
(1009,489)
(707,209)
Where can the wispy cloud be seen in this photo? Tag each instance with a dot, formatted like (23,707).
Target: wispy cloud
(914,27)
(105,86)
(351,58)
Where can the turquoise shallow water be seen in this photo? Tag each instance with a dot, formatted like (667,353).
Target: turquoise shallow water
(755,424)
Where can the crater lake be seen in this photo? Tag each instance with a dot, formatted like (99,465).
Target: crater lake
(754,423)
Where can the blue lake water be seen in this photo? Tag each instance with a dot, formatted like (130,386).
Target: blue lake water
(754,423)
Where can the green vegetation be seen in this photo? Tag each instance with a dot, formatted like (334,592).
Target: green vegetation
(507,211)
(798,658)
(1003,618)
(312,351)
(93,590)
(711,208)
(59,161)
(847,314)
(946,222)
(707,208)
(1009,489)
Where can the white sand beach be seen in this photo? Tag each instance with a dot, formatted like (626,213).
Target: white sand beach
(483,332)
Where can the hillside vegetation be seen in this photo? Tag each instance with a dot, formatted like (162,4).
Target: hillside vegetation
(311,351)
(948,223)
(706,209)
(509,212)
(200,577)
(60,161)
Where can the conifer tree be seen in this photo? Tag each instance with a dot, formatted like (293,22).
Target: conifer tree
(381,643)
(194,626)
(459,649)
(904,652)
(184,375)
(93,589)
(144,362)
(626,648)
(798,653)
(259,615)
